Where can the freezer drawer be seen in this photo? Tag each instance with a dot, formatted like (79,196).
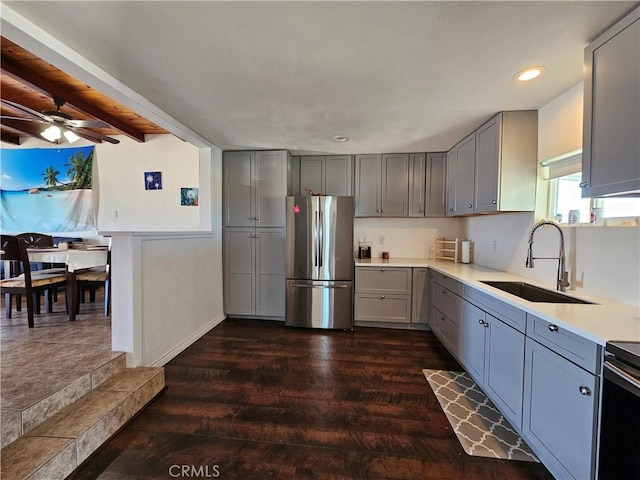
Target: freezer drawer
(319,304)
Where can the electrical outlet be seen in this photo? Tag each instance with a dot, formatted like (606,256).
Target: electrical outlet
(495,245)
(115,214)
(382,239)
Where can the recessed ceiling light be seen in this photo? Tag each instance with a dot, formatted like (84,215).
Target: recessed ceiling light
(528,74)
(341,138)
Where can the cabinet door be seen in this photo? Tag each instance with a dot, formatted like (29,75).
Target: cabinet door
(395,185)
(465,175)
(270,280)
(382,308)
(338,178)
(238,189)
(368,181)
(435,181)
(239,271)
(420,296)
(504,368)
(487,166)
(312,174)
(270,180)
(472,341)
(452,168)
(611,115)
(559,419)
(417,176)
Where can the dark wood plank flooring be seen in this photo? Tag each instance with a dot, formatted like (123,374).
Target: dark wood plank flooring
(256,400)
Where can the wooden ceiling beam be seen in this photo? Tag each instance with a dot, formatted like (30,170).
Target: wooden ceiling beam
(33,80)
(10,138)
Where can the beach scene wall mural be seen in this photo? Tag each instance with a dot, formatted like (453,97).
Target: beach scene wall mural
(46,190)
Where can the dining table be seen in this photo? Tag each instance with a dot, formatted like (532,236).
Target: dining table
(76,261)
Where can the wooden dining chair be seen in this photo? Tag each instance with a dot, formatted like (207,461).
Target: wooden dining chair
(13,249)
(94,278)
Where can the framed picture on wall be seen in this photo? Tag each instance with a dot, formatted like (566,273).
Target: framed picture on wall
(153,180)
(189,196)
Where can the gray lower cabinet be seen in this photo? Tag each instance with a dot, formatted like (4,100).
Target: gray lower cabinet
(446,311)
(331,174)
(611,144)
(254,271)
(493,354)
(383,294)
(420,296)
(560,413)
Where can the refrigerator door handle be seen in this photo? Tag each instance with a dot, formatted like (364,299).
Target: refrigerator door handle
(321,236)
(305,285)
(316,238)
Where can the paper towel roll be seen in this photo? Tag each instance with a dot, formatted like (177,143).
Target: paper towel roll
(465,253)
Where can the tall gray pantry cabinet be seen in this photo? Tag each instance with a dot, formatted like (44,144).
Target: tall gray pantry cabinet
(254,191)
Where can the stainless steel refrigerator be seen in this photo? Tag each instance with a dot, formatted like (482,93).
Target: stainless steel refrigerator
(319,264)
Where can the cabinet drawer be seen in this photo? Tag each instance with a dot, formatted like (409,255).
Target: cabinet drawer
(391,281)
(383,308)
(447,303)
(446,330)
(447,282)
(575,348)
(512,316)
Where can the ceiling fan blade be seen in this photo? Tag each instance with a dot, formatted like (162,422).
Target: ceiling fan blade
(26,110)
(7,117)
(87,124)
(89,135)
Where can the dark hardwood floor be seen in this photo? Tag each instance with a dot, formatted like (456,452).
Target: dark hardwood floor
(256,400)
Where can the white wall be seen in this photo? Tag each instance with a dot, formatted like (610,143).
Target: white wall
(124,204)
(603,261)
(404,237)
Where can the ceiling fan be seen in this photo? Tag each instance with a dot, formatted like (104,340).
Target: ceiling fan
(61,123)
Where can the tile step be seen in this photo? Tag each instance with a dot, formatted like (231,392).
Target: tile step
(19,420)
(56,447)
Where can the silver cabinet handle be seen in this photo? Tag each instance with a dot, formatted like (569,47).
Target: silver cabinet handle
(583,184)
(383,269)
(485,324)
(470,205)
(257,218)
(443,319)
(382,297)
(584,390)
(494,202)
(481,322)
(383,210)
(257,236)
(444,292)
(451,209)
(553,328)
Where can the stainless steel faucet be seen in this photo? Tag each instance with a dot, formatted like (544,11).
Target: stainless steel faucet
(563,276)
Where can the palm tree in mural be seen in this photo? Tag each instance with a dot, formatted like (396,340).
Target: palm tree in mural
(51,176)
(80,170)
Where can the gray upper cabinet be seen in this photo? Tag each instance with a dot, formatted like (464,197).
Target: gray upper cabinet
(427,177)
(255,185)
(381,185)
(494,169)
(450,187)
(506,163)
(331,175)
(464,174)
(611,130)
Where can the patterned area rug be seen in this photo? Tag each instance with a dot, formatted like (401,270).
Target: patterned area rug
(479,426)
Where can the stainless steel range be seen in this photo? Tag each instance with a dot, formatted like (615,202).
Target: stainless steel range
(620,418)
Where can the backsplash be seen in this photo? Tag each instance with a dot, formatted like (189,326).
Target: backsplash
(404,237)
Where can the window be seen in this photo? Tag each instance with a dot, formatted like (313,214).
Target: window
(566,204)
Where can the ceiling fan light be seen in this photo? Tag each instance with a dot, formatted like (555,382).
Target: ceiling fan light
(70,136)
(52,133)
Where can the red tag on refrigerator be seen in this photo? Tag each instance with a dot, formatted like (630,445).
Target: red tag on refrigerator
(296,209)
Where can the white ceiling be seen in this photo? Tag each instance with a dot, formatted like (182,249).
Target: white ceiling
(392,76)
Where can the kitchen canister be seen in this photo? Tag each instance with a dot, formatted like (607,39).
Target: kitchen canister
(465,251)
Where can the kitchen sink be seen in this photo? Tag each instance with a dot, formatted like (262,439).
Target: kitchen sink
(532,293)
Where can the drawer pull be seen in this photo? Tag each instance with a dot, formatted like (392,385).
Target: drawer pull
(444,292)
(382,269)
(553,328)
(586,391)
(382,297)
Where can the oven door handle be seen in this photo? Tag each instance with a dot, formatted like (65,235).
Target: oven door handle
(621,377)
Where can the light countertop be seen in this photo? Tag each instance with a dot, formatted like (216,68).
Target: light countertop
(600,322)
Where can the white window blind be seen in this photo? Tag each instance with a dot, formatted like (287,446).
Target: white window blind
(566,164)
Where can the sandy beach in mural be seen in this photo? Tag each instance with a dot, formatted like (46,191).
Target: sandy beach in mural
(47,211)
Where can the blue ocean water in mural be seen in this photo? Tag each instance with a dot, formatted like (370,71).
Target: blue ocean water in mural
(46,190)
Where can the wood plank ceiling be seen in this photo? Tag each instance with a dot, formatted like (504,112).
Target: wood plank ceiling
(30,81)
